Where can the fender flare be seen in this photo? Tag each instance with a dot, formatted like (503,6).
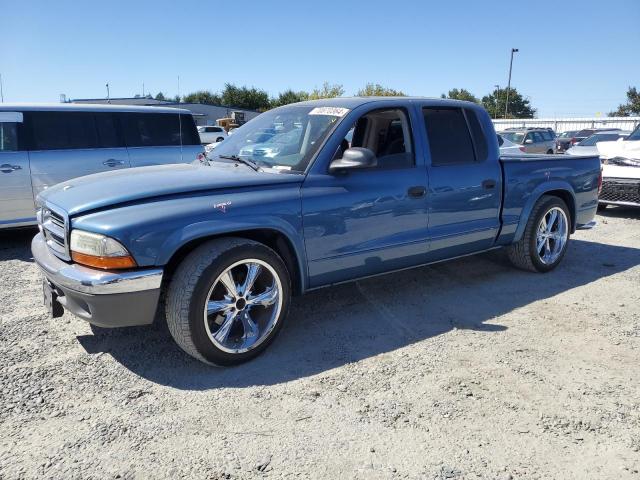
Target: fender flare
(203,230)
(538,192)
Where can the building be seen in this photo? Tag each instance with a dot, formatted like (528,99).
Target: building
(203,114)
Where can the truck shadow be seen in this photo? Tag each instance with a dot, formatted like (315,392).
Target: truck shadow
(621,212)
(15,244)
(343,324)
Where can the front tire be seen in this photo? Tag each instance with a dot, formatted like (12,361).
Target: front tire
(228,300)
(545,238)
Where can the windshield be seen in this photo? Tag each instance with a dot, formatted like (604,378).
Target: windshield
(635,135)
(515,137)
(599,137)
(285,138)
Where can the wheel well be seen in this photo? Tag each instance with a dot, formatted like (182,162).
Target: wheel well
(568,199)
(273,239)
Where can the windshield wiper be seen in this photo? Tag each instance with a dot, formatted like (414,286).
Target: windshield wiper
(246,161)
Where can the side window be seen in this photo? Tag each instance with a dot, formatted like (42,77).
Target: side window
(106,128)
(62,130)
(548,136)
(189,133)
(479,138)
(537,137)
(448,135)
(387,134)
(8,137)
(151,129)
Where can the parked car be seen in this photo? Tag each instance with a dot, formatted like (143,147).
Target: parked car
(46,144)
(227,242)
(508,148)
(621,171)
(571,138)
(588,145)
(211,134)
(533,140)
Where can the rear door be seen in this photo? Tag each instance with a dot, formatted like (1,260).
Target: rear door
(465,182)
(69,144)
(160,138)
(16,198)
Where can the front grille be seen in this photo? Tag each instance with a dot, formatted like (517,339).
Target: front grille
(620,190)
(54,228)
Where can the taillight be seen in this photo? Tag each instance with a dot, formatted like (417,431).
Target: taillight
(600,181)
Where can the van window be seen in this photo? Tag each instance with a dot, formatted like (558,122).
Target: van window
(8,137)
(448,135)
(62,130)
(189,133)
(151,129)
(107,130)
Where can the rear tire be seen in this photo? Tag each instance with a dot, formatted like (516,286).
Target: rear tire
(215,312)
(549,152)
(219,139)
(541,249)
(602,207)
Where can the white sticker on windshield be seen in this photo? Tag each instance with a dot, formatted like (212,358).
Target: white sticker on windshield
(333,111)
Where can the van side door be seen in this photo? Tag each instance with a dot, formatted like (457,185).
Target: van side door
(16,200)
(465,181)
(70,144)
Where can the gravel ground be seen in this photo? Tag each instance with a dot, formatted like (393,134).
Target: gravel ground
(462,370)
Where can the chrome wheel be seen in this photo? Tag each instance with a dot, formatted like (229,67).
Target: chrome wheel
(552,235)
(243,306)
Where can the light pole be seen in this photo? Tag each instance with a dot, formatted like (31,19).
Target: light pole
(108,96)
(506,105)
(497,92)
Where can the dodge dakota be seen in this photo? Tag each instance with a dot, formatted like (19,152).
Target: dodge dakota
(339,189)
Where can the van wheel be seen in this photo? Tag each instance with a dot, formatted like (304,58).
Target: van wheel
(549,152)
(219,139)
(228,300)
(545,237)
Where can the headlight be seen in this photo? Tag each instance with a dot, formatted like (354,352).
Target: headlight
(100,251)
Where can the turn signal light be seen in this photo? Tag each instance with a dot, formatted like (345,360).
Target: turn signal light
(105,263)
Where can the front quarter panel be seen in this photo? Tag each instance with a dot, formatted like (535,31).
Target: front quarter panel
(154,230)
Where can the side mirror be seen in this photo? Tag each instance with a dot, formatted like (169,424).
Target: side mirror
(528,141)
(354,158)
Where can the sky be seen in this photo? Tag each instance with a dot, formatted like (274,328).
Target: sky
(576,58)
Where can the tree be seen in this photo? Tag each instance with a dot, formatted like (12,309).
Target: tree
(632,107)
(203,96)
(243,97)
(519,107)
(461,94)
(176,99)
(160,96)
(327,91)
(377,90)
(289,96)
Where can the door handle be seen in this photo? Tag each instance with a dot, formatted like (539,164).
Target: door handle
(488,184)
(417,191)
(6,168)
(112,162)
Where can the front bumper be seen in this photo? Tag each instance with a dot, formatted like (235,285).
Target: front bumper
(103,298)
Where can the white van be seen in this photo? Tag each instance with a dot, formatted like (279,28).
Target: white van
(41,145)
(621,171)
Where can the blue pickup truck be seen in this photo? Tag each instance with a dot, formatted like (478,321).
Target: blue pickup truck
(304,196)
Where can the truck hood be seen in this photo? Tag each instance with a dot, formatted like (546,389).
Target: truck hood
(130,185)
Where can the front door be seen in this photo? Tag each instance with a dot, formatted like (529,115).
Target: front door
(16,199)
(464,183)
(364,222)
